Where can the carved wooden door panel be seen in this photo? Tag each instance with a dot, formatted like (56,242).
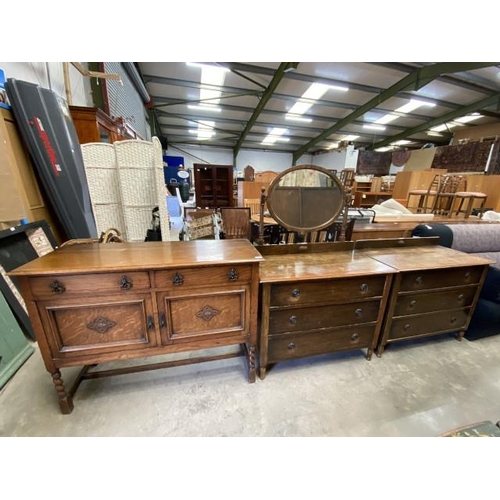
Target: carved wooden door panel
(91,326)
(202,315)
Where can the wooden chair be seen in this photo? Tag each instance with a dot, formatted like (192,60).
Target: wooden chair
(198,224)
(235,222)
(427,198)
(253,204)
(471,197)
(445,200)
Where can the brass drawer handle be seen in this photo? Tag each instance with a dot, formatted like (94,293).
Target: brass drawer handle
(291,346)
(125,283)
(354,337)
(232,275)
(178,279)
(364,287)
(419,280)
(406,327)
(57,287)
(163,323)
(412,304)
(295,292)
(358,313)
(294,320)
(453,320)
(467,276)
(460,298)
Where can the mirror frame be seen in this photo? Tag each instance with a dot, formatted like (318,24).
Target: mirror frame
(275,183)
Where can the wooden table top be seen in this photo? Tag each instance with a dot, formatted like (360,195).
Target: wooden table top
(95,257)
(297,267)
(430,257)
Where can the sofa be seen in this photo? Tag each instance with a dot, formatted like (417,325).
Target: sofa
(482,240)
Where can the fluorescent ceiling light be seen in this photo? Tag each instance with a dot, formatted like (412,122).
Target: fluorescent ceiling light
(313,93)
(407,108)
(205,107)
(297,118)
(333,145)
(435,134)
(402,142)
(412,105)
(443,127)
(374,127)
(206,65)
(468,118)
(205,130)
(386,119)
(350,138)
(385,148)
(274,135)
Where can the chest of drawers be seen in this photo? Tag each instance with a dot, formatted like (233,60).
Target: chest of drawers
(94,303)
(435,291)
(315,302)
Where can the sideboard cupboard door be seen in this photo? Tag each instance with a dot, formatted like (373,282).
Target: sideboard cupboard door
(202,315)
(88,326)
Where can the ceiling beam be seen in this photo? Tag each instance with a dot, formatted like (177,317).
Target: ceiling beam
(414,81)
(470,108)
(283,68)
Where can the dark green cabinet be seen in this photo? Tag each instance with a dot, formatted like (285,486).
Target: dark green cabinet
(14,347)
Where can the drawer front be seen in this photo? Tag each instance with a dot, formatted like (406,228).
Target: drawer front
(283,347)
(200,316)
(80,329)
(178,279)
(72,284)
(427,324)
(341,290)
(428,302)
(440,278)
(313,318)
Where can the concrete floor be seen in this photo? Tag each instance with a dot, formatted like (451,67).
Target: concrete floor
(422,388)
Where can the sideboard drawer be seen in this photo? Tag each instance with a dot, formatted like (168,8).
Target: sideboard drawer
(341,290)
(91,284)
(310,318)
(425,280)
(92,327)
(177,279)
(290,346)
(427,324)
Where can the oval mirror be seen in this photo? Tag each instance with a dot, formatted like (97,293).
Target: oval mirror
(305,198)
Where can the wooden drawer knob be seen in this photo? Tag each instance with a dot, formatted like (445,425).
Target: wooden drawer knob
(419,280)
(295,292)
(294,320)
(467,276)
(412,304)
(358,313)
(364,287)
(125,283)
(178,279)
(406,327)
(460,298)
(354,337)
(291,346)
(57,287)
(453,320)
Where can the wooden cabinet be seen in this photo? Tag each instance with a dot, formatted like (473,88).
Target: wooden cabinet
(94,125)
(435,291)
(213,185)
(318,302)
(366,199)
(96,303)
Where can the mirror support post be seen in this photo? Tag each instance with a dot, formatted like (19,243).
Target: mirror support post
(345,212)
(263,199)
